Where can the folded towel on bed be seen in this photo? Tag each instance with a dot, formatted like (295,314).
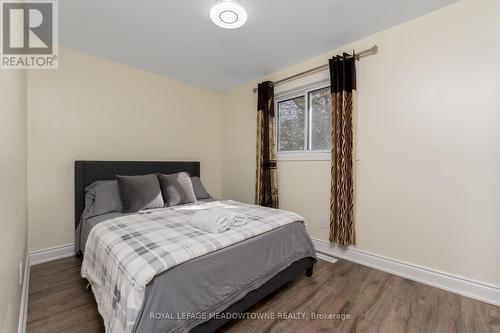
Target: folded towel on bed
(237,220)
(217,220)
(211,220)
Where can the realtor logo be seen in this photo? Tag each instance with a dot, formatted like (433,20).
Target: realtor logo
(29,34)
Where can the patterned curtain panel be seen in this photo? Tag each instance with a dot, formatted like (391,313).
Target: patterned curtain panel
(343,86)
(266,188)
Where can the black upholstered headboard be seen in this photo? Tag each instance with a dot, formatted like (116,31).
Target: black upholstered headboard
(87,172)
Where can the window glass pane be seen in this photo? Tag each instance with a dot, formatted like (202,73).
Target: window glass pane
(321,119)
(291,122)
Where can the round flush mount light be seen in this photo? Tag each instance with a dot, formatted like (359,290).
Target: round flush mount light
(228,14)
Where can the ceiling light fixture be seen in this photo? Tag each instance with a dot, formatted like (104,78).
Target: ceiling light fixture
(228,14)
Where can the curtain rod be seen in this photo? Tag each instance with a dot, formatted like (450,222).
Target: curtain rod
(358,55)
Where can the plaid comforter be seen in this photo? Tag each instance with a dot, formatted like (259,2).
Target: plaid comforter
(124,254)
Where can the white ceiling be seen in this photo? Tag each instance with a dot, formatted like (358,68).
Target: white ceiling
(177,38)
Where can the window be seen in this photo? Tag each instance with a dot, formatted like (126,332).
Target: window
(291,123)
(304,123)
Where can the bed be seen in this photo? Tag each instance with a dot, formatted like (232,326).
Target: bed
(224,282)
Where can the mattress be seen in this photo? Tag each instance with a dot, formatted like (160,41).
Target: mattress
(191,293)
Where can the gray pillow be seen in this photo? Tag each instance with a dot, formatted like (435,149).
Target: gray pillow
(139,192)
(102,197)
(90,189)
(89,210)
(199,190)
(177,188)
(107,197)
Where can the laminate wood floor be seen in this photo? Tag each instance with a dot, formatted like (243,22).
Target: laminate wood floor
(375,302)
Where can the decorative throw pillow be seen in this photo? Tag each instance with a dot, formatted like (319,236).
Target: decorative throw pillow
(199,190)
(177,188)
(139,192)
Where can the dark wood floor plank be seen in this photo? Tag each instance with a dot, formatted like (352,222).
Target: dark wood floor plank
(479,317)
(301,289)
(374,300)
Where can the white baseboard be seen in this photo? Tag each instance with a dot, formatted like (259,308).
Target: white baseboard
(23,309)
(325,257)
(466,287)
(54,253)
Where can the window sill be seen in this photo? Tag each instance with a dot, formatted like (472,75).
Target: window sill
(304,156)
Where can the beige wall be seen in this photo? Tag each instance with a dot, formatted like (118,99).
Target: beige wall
(92,108)
(12,194)
(428,181)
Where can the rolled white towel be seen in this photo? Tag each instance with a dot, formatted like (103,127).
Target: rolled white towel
(211,220)
(238,220)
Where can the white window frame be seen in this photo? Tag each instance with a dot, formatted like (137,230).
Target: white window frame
(305,154)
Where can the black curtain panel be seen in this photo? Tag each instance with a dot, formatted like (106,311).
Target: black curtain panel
(266,186)
(343,88)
